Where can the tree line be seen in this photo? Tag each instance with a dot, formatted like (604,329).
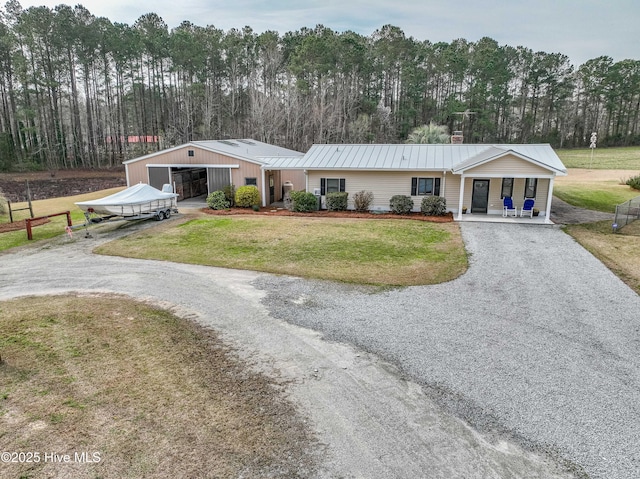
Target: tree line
(78,90)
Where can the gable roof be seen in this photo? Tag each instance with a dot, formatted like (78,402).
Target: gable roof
(540,155)
(414,157)
(242,149)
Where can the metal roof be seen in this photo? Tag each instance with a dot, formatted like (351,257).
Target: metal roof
(243,149)
(412,157)
(246,149)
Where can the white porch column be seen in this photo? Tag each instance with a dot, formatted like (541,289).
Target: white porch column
(264,188)
(549,198)
(460,201)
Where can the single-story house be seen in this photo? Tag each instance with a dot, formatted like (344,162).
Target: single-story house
(474,176)
(201,167)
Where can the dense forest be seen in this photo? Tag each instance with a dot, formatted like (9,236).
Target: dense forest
(77,90)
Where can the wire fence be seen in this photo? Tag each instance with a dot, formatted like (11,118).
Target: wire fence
(627,212)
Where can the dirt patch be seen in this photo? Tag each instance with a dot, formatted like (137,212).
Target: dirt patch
(448,218)
(44,184)
(144,393)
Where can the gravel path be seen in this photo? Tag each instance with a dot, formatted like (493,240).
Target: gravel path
(538,338)
(535,346)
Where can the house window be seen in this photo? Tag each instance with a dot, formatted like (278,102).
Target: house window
(530,187)
(507,188)
(191,153)
(251,181)
(331,185)
(425,186)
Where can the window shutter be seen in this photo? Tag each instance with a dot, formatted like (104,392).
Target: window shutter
(436,187)
(342,185)
(414,186)
(323,186)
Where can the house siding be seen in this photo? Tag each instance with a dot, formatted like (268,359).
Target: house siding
(383,185)
(510,166)
(137,172)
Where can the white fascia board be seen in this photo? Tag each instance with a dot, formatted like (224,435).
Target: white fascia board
(189,165)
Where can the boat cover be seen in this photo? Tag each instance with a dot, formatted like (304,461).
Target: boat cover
(135,195)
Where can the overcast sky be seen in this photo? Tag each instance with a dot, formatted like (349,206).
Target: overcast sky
(580,29)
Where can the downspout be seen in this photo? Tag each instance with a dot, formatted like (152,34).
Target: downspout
(549,198)
(306,181)
(126,171)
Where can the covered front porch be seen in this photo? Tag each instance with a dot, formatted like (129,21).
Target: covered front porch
(495,218)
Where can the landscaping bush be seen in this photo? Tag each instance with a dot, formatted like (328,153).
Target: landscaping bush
(634,182)
(247,196)
(217,200)
(337,201)
(230,194)
(304,202)
(433,206)
(401,204)
(362,200)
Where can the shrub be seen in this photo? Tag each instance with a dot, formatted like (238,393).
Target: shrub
(433,206)
(230,194)
(401,204)
(634,182)
(362,200)
(247,196)
(304,202)
(217,201)
(337,201)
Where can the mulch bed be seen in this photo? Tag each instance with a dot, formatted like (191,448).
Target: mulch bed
(448,218)
(21,225)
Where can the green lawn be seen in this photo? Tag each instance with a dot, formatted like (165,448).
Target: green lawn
(601,197)
(626,158)
(380,252)
(46,207)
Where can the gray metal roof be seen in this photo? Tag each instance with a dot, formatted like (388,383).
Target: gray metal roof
(246,149)
(401,157)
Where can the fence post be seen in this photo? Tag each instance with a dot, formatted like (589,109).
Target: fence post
(10,212)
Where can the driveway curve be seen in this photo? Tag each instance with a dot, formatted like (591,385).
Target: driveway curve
(535,348)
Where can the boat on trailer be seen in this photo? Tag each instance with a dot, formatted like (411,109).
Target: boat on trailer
(140,201)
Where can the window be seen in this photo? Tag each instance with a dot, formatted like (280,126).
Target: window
(331,185)
(425,186)
(507,188)
(191,153)
(530,187)
(251,181)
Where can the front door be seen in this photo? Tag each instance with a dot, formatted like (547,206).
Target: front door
(480,198)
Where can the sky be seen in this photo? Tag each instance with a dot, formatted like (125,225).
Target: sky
(580,29)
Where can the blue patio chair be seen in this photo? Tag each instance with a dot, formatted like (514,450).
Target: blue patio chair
(507,205)
(527,208)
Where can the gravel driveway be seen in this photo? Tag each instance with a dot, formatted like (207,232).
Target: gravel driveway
(537,339)
(536,347)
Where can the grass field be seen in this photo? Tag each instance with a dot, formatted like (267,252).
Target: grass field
(627,158)
(619,252)
(153,395)
(46,207)
(382,252)
(599,190)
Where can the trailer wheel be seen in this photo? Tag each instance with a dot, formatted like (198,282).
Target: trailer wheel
(160,215)
(167,214)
